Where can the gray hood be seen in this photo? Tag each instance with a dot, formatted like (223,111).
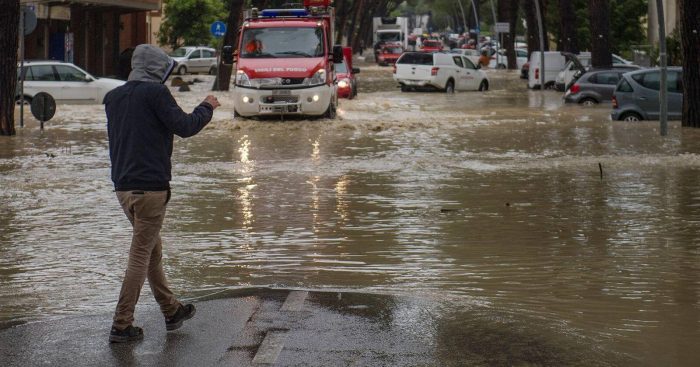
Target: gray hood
(150,64)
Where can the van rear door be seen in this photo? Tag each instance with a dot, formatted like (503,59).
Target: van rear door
(414,66)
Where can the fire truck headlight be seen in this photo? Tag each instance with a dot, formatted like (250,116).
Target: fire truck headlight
(315,97)
(318,78)
(246,99)
(343,83)
(242,79)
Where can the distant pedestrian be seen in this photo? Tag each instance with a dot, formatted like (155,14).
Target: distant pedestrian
(484,59)
(142,117)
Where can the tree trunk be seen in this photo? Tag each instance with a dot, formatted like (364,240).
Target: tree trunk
(599,16)
(533,31)
(9,32)
(690,39)
(342,11)
(508,12)
(356,11)
(567,27)
(223,72)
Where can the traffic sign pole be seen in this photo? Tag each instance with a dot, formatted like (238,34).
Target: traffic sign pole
(218,30)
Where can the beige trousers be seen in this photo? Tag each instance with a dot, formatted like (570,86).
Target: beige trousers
(146,211)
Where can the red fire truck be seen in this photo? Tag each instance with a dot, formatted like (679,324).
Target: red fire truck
(285,62)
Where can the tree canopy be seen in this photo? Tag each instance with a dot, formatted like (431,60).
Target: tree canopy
(187,22)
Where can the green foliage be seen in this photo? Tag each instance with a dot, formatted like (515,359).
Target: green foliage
(187,22)
(626,19)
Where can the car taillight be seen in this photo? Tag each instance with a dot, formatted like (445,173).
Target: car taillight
(537,73)
(614,102)
(434,71)
(575,88)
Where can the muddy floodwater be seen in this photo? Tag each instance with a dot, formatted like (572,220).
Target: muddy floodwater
(536,215)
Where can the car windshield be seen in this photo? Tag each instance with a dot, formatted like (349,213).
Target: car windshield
(341,68)
(416,58)
(282,42)
(393,50)
(180,52)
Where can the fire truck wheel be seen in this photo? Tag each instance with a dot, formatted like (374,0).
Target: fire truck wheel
(330,112)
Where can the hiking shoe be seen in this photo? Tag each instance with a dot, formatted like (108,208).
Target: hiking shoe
(131,333)
(183,313)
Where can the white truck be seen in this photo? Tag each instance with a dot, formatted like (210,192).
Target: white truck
(440,71)
(390,30)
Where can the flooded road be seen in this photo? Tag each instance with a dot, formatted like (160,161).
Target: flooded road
(543,218)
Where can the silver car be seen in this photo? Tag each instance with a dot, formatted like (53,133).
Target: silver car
(195,60)
(596,86)
(637,95)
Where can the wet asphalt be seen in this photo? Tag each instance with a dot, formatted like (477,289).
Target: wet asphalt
(262,326)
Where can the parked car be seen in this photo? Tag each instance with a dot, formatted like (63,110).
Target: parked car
(554,63)
(500,61)
(442,71)
(596,86)
(637,95)
(580,62)
(345,76)
(192,59)
(388,54)
(65,82)
(431,46)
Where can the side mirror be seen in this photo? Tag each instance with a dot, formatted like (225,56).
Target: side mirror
(337,54)
(355,70)
(478,66)
(227,55)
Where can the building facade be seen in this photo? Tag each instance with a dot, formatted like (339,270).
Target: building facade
(671,18)
(90,33)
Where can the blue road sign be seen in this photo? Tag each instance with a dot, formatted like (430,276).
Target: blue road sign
(218,29)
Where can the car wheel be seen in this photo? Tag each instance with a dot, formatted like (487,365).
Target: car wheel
(450,87)
(212,70)
(405,88)
(182,70)
(501,66)
(484,86)
(630,116)
(549,85)
(588,102)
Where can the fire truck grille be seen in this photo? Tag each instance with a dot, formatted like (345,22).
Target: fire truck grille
(292,81)
(281,99)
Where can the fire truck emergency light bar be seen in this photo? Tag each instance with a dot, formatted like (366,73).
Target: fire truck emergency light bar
(273,13)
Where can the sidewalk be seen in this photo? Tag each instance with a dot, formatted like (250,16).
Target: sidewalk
(260,326)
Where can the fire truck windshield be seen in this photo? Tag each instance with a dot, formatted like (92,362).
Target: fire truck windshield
(282,42)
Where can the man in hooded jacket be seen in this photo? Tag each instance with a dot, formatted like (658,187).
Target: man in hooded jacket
(142,119)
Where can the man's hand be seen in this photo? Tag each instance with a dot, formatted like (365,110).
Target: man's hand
(212,101)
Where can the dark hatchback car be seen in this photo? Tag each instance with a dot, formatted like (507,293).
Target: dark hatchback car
(596,86)
(637,95)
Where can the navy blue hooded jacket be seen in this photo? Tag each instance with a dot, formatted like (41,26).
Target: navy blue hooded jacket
(142,118)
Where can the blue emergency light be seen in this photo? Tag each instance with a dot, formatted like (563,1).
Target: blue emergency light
(273,13)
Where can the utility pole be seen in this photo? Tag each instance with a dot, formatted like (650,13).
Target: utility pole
(539,24)
(663,99)
(464,16)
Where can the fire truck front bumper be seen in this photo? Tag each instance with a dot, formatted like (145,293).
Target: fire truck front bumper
(312,101)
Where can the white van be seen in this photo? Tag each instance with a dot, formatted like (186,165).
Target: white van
(554,62)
